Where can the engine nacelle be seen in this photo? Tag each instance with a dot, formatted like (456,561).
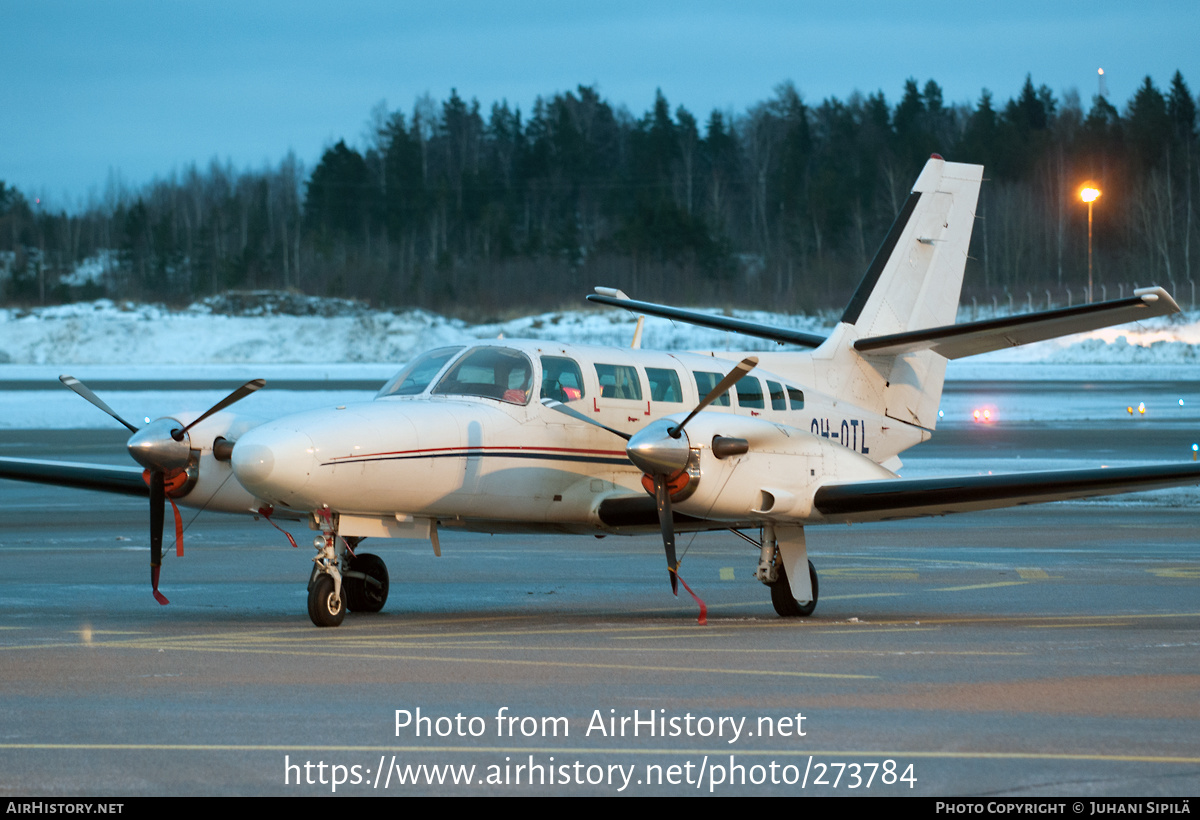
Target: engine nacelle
(210,484)
(775,479)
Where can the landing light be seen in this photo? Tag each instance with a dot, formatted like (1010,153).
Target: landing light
(983,415)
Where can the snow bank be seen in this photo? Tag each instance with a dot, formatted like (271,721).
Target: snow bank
(271,328)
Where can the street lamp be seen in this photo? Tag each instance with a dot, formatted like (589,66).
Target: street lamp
(1089,194)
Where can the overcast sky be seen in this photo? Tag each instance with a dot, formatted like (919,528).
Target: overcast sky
(145,88)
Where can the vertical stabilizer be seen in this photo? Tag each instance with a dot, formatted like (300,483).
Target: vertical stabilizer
(913,283)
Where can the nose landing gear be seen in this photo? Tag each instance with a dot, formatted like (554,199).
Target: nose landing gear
(326,593)
(341,579)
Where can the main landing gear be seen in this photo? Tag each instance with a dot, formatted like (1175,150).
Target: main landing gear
(779,551)
(362,586)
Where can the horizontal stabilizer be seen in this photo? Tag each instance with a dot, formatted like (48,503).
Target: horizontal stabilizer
(106,478)
(895,498)
(782,335)
(972,338)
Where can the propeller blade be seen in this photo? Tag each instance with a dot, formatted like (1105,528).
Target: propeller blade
(734,376)
(72,383)
(554,404)
(236,396)
(158,496)
(662,497)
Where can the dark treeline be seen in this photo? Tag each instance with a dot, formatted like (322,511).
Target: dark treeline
(470,212)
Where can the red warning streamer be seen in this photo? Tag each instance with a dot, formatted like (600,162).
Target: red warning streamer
(265,512)
(703,619)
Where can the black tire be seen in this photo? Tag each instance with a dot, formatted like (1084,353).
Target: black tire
(781,595)
(323,608)
(361,595)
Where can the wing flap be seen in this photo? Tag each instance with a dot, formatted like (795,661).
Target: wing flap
(893,499)
(972,338)
(106,478)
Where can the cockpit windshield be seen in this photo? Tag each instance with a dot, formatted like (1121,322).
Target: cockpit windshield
(414,378)
(491,373)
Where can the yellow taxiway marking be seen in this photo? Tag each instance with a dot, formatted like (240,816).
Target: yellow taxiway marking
(382,654)
(726,573)
(865,595)
(1034,574)
(1176,572)
(640,751)
(871,573)
(1095,625)
(980,586)
(816,628)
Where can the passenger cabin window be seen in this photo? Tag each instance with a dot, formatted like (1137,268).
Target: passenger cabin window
(796,395)
(490,373)
(664,385)
(414,378)
(749,390)
(618,381)
(778,397)
(705,382)
(562,380)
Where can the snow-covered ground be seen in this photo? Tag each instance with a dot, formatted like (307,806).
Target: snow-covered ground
(236,337)
(317,332)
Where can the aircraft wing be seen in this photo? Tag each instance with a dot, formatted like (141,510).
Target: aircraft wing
(782,335)
(971,338)
(892,499)
(103,477)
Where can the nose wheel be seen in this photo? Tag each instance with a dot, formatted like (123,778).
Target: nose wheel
(325,606)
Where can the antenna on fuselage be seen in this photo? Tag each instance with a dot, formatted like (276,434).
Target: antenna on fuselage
(637,334)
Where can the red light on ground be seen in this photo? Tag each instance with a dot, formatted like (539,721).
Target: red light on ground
(984,415)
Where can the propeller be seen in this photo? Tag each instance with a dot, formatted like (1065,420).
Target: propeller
(163,448)
(661,451)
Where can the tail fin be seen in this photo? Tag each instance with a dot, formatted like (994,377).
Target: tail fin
(913,283)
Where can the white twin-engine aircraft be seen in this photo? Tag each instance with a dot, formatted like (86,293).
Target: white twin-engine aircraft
(531,436)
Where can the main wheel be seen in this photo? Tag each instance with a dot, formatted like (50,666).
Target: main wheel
(784,603)
(325,608)
(366,594)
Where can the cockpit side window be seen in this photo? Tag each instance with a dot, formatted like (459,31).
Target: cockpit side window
(490,373)
(417,375)
(618,381)
(562,380)
(705,382)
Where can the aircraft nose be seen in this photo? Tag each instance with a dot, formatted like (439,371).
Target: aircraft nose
(273,463)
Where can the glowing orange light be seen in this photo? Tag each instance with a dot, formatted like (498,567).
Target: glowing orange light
(983,415)
(1089,194)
